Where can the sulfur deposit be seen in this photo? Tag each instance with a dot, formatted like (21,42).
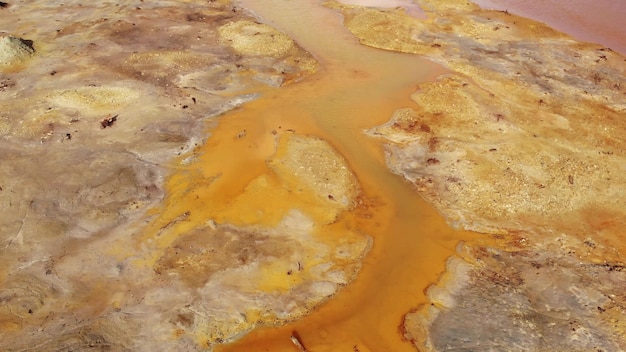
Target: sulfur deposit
(251,38)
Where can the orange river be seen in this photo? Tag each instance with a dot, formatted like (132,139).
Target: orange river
(355,88)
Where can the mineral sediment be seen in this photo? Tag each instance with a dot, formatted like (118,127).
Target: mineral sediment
(524,139)
(251,38)
(237,277)
(512,134)
(539,298)
(91,127)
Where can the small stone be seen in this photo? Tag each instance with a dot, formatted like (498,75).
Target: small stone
(14,50)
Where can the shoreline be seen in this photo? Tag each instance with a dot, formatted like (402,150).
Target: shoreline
(595,22)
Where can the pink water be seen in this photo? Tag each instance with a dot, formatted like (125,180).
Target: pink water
(409,6)
(598,21)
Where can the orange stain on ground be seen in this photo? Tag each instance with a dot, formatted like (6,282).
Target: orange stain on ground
(356,88)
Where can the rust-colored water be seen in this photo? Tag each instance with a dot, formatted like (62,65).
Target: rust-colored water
(356,88)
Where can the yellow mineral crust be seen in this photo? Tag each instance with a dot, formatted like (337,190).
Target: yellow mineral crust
(242,277)
(14,51)
(525,139)
(251,38)
(528,131)
(311,166)
(265,257)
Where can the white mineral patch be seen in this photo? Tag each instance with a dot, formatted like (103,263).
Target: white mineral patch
(13,50)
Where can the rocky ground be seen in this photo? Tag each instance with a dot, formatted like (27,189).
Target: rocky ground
(523,140)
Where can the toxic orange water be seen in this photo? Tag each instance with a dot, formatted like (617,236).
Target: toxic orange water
(356,88)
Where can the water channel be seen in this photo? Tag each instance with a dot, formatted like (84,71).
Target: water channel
(356,88)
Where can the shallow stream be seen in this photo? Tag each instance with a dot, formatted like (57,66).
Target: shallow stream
(356,88)
(75,277)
